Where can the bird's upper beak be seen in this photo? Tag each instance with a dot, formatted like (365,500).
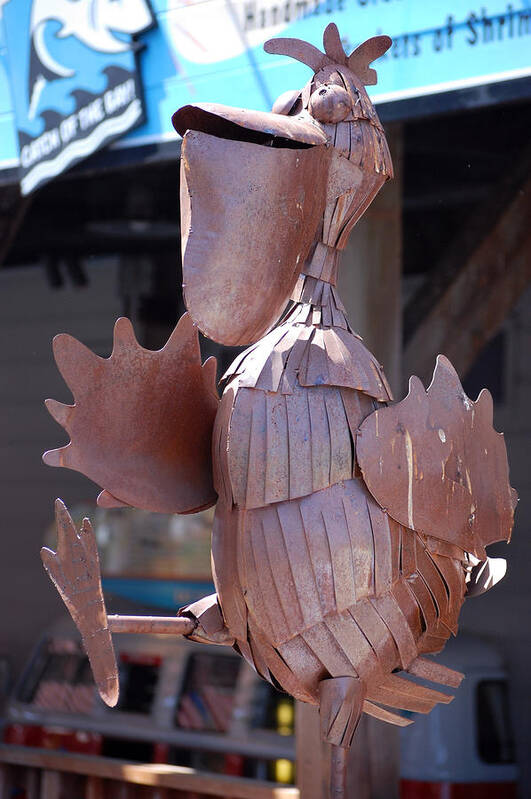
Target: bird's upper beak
(241,124)
(253,192)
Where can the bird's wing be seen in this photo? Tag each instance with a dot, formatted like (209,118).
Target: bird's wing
(437,465)
(141,425)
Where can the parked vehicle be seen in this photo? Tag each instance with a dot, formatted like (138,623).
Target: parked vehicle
(180,703)
(466,748)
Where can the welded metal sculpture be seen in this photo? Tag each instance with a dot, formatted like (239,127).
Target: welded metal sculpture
(348,529)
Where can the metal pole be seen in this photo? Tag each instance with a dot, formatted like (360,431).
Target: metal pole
(162,625)
(338,773)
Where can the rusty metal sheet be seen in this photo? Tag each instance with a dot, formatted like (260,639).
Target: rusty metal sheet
(347,531)
(350,639)
(141,425)
(159,625)
(248,206)
(206,621)
(377,634)
(304,569)
(302,661)
(454,580)
(391,613)
(75,571)
(435,672)
(237,124)
(340,708)
(301,51)
(437,465)
(425,601)
(290,681)
(433,578)
(334,55)
(312,356)
(272,457)
(227,569)
(404,694)
(381,713)
(367,52)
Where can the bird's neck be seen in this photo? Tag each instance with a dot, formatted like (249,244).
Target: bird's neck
(315,294)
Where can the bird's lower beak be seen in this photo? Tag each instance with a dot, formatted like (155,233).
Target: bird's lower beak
(253,192)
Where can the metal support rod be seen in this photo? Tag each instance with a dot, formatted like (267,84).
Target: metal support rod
(162,625)
(338,773)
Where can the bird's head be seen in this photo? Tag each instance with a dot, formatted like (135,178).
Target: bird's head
(263,192)
(335,98)
(336,91)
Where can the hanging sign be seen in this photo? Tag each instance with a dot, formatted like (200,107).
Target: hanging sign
(212,50)
(74,79)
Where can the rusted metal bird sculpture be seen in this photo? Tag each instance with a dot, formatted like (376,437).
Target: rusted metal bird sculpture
(348,529)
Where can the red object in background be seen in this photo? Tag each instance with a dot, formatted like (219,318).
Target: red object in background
(22,735)
(233,765)
(413,789)
(79,741)
(141,659)
(161,752)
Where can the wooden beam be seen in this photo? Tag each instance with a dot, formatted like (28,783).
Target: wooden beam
(456,253)
(312,754)
(370,280)
(370,270)
(179,778)
(477,298)
(51,784)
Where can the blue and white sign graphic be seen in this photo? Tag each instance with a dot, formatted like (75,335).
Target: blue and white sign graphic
(212,50)
(73,78)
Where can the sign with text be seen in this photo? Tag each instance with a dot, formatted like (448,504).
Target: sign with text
(74,79)
(212,51)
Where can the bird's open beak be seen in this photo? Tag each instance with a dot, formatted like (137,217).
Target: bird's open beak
(241,124)
(253,192)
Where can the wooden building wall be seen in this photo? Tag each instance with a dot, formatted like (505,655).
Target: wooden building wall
(31,312)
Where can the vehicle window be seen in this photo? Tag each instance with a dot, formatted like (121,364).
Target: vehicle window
(139,675)
(494,732)
(59,679)
(207,697)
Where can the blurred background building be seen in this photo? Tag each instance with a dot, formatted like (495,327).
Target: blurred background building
(89,231)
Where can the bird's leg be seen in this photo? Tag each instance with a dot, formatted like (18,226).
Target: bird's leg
(340,708)
(75,571)
(159,625)
(338,772)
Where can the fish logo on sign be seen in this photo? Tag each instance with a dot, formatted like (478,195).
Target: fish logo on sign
(79,88)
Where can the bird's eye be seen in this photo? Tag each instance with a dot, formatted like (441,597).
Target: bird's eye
(330,103)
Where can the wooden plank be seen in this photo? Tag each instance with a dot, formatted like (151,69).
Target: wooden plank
(370,285)
(152,774)
(6,781)
(312,754)
(359,761)
(32,783)
(384,754)
(94,788)
(51,783)
(478,297)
